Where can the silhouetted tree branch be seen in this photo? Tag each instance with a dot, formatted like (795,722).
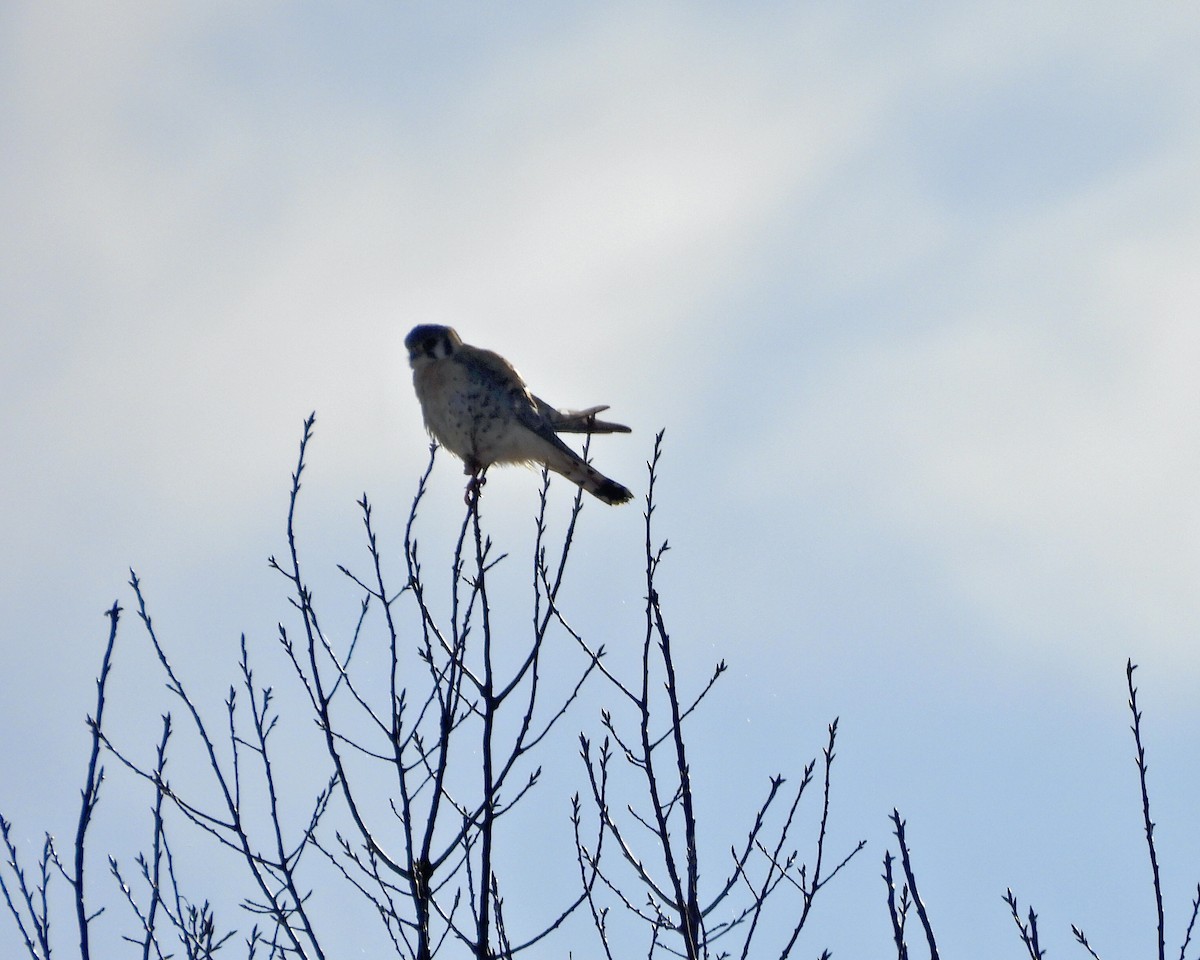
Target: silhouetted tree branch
(433,722)
(671,902)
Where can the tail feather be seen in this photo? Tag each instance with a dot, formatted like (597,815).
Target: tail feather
(611,492)
(568,464)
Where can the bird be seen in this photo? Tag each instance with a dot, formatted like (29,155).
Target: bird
(476,405)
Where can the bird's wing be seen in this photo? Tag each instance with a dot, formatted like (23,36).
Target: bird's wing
(496,372)
(532,411)
(576,421)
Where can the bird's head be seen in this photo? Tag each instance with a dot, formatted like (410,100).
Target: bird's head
(430,341)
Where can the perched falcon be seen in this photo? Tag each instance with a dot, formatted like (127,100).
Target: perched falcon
(478,407)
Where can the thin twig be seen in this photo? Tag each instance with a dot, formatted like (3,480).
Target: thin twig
(911,880)
(1148,823)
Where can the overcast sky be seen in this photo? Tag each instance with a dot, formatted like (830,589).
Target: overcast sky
(913,291)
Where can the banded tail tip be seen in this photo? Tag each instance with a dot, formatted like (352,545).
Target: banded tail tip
(610,492)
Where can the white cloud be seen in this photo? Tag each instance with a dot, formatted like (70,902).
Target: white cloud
(1039,437)
(604,187)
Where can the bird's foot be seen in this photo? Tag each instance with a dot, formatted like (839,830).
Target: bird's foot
(474,486)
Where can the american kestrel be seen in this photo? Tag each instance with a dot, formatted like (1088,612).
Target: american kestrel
(478,407)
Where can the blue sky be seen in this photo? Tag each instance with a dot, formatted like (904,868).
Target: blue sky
(912,290)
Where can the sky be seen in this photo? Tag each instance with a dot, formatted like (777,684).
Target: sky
(911,290)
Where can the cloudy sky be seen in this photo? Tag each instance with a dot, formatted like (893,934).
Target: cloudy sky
(913,292)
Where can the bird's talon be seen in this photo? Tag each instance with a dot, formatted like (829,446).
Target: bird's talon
(474,485)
